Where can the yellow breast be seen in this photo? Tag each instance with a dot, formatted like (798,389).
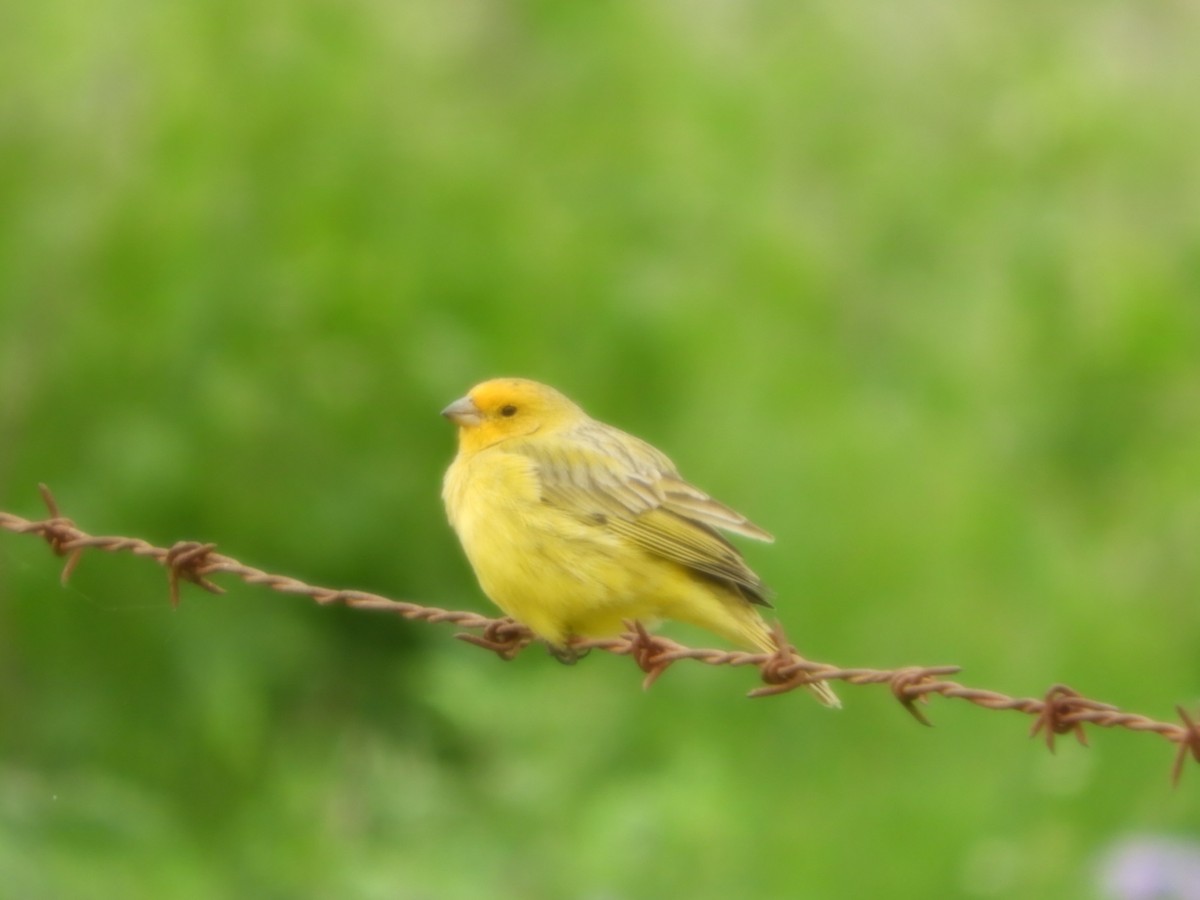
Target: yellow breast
(542,565)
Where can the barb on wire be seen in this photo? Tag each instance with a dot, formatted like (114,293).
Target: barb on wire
(1060,711)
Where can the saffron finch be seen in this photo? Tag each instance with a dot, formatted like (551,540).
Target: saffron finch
(573,526)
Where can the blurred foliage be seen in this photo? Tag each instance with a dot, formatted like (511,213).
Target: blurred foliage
(914,286)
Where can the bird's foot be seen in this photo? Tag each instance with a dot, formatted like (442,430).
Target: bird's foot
(567,654)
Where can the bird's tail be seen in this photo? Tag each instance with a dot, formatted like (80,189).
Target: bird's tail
(733,617)
(763,638)
(740,622)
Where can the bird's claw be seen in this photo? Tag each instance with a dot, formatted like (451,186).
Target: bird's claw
(567,654)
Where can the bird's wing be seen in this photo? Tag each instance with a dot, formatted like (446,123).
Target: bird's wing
(616,481)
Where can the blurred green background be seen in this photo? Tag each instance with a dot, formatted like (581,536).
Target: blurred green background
(915,287)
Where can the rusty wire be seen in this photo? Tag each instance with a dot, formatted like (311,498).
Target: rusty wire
(1060,711)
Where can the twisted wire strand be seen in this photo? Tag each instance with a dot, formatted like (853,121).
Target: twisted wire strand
(1060,711)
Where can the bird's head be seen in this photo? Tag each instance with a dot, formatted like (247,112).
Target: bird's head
(505,408)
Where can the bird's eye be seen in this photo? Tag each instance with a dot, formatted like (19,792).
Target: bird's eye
(508,410)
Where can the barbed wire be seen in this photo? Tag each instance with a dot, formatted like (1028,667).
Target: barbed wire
(1060,711)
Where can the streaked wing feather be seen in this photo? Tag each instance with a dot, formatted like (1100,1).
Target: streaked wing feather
(614,480)
(691,502)
(694,545)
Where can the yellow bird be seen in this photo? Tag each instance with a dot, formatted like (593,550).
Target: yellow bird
(573,526)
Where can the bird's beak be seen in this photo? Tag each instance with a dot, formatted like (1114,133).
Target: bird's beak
(463,412)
